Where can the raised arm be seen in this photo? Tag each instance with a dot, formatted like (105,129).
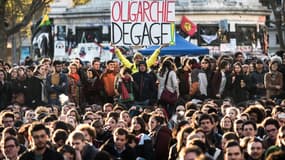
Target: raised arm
(122,58)
(152,59)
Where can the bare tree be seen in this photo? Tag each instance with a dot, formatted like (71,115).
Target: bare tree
(24,11)
(278,10)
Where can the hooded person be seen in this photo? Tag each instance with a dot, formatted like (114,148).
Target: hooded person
(137,58)
(144,85)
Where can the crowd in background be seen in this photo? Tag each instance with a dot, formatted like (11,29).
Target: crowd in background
(226,107)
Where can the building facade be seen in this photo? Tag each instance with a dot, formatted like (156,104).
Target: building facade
(222,25)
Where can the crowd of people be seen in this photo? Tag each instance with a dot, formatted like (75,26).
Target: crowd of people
(217,108)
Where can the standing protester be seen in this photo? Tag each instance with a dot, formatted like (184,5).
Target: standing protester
(183,75)
(124,87)
(38,86)
(257,88)
(137,58)
(74,84)
(167,80)
(108,80)
(237,84)
(94,87)
(57,83)
(200,80)
(144,85)
(273,80)
(219,80)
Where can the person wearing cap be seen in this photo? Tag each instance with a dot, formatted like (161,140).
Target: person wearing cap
(136,58)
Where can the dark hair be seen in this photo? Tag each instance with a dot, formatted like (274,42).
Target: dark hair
(231,136)
(56,62)
(60,134)
(37,127)
(249,123)
(12,138)
(270,121)
(158,118)
(205,117)
(110,61)
(257,109)
(141,122)
(255,139)
(232,143)
(95,60)
(132,138)
(68,149)
(4,72)
(103,155)
(237,54)
(166,65)
(60,125)
(199,143)
(77,135)
(12,131)
(8,115)
(121,131)
(223,64)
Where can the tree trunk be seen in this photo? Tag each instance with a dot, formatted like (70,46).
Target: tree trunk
(278,23)
(3,46)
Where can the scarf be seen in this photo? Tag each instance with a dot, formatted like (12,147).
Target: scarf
(74,76)
(125,93)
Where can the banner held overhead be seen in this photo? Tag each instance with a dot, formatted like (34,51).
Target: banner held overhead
(142,22)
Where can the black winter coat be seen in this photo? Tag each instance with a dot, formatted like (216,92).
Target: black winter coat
(48,155)
(144,86)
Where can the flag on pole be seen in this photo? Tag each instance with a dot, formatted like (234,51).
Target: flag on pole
(188,26)
(45,21)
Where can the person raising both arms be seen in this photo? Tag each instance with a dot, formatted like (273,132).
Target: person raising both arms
(137,58)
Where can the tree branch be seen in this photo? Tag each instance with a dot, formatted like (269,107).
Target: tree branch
(35,5)
(2,15)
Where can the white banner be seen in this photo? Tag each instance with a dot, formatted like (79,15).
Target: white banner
(86,51)
(142,22)
(59,48)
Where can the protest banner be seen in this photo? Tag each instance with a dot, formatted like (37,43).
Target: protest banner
(59,48)
(142,22)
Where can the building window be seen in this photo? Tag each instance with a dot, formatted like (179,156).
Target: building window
(208,35)
(91,34)
(246,34)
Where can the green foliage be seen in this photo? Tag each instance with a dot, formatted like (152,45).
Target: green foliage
(80,2)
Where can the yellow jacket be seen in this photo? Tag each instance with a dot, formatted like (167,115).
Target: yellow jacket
(149,62)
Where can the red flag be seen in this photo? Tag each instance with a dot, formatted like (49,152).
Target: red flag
(188,26)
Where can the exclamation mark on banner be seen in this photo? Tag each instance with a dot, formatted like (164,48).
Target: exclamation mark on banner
(172,31)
